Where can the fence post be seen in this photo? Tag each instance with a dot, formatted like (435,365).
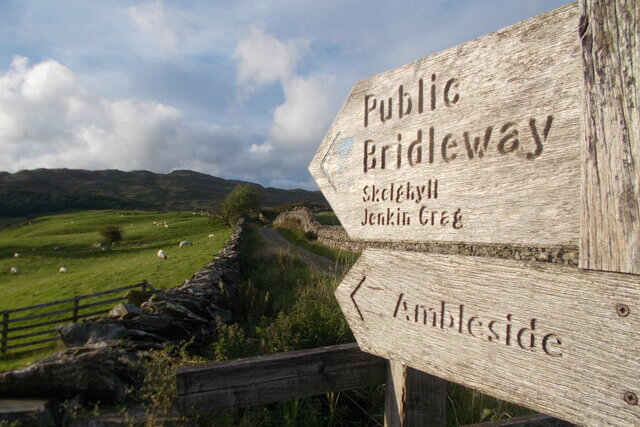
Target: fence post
(414,398)
(610,234)
(5,331)
(76,308)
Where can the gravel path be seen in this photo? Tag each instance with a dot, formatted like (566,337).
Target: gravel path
(321,263)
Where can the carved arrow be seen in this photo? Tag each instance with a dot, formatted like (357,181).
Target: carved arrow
(353,294)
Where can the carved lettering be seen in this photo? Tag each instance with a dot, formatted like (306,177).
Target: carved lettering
(404,97)
(445,316)
(368,108)
(450,101)
(448,143)
(511,138)
(369,155)
(476,147)
(536,136)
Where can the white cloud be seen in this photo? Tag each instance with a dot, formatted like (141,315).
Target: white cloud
(261,149)
(303,118)
(263,59)
(48,120)
(299,123)
(152,20)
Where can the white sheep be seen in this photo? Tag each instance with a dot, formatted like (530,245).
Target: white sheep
(63,270)
(212,235)
(161,254)
(16,255)
(185,243)
(13,270)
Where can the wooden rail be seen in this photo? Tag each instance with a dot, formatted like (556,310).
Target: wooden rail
(73,306)
(267,379)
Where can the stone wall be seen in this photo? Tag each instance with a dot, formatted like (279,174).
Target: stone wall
(103,356)
(336,237)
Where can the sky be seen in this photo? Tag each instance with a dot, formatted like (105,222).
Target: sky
(236,89)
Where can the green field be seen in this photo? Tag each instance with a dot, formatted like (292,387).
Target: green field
(92,269)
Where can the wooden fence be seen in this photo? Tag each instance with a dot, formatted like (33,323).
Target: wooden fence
(267,379)
(72,310)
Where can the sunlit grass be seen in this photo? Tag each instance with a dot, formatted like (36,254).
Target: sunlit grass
(69,241)
(298,238)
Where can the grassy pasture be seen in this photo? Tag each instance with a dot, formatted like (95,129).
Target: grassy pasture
(92,269)
(327,218)
(297,238)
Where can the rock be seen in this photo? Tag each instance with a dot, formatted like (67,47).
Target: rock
(125,311)
(100,372)
(78,334)
(137,297)
(543,256)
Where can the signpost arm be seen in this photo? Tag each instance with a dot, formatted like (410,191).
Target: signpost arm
(414,398)
(610,38)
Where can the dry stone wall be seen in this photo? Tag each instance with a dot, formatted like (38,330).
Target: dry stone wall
(103,356)
(335,236)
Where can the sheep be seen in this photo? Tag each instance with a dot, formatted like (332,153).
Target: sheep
(13,270)
(16,255)
(212,235)
(185,243)
(161,254)
(63,270)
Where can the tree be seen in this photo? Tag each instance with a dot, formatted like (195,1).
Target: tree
(111,233)
(244,201)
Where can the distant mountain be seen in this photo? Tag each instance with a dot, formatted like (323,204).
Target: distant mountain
(50,190)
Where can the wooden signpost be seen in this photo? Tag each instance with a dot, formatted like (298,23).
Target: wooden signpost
(527,136)
(478,143)
(553,338)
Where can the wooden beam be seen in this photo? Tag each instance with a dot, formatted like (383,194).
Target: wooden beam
(535,420)
(266,379)
(610,233)
(414,398)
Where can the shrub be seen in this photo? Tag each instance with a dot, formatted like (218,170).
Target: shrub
(310,235)
(243,202)
(111,233)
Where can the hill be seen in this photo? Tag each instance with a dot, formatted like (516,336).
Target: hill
(31,192)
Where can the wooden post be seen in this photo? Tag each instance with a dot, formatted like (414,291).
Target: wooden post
(610,234)
(5,331)
(76,308)
(414,398)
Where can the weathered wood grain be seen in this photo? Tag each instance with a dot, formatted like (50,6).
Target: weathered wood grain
(266,379)
(583,356)
(414,398)
(518,90)
(610,236)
